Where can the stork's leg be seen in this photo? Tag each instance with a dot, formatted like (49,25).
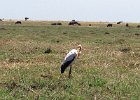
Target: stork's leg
(70,71)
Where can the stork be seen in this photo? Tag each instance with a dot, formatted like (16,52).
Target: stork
(69,58)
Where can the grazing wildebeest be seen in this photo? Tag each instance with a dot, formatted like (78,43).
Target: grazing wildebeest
(53,24)
(79,24)
(73,22)
(138,26)
(127,25)
(109,25)
(18,22)
(1,19)
(119,22)
(59,23)
(89,24)
(56,23)
(26,18)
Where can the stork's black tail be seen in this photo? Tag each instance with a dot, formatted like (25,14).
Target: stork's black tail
(65,65)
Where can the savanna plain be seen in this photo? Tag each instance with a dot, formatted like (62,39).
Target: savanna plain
(107,69)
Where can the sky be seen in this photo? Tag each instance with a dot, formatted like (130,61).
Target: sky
(66,10)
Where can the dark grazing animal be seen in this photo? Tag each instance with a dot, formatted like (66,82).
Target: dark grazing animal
(59,23)
(56,23)
(109,25)
(89,24)
(138,26)
(2,19)
(119,22)
(53,24)
(18,22)
(127,25)
(73,22)
(26,18)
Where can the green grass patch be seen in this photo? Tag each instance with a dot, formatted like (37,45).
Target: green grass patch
(108,68)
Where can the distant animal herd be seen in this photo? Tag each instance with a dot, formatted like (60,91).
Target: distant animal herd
(110,25)
(127,25)
(73,23)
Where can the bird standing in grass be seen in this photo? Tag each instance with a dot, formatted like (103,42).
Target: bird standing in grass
(69,58)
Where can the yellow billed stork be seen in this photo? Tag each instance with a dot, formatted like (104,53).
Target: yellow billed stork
(69,58)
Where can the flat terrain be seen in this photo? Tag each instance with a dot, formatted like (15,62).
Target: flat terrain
(108,68)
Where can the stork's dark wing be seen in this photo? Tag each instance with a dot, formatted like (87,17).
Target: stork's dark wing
(67,62)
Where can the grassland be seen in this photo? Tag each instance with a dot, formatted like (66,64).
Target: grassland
(108,68)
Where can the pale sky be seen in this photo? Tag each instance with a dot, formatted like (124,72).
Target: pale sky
(81,10)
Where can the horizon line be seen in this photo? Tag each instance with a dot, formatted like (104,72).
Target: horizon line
(68,20)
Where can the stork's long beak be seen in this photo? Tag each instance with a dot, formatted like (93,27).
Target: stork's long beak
(79,47)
